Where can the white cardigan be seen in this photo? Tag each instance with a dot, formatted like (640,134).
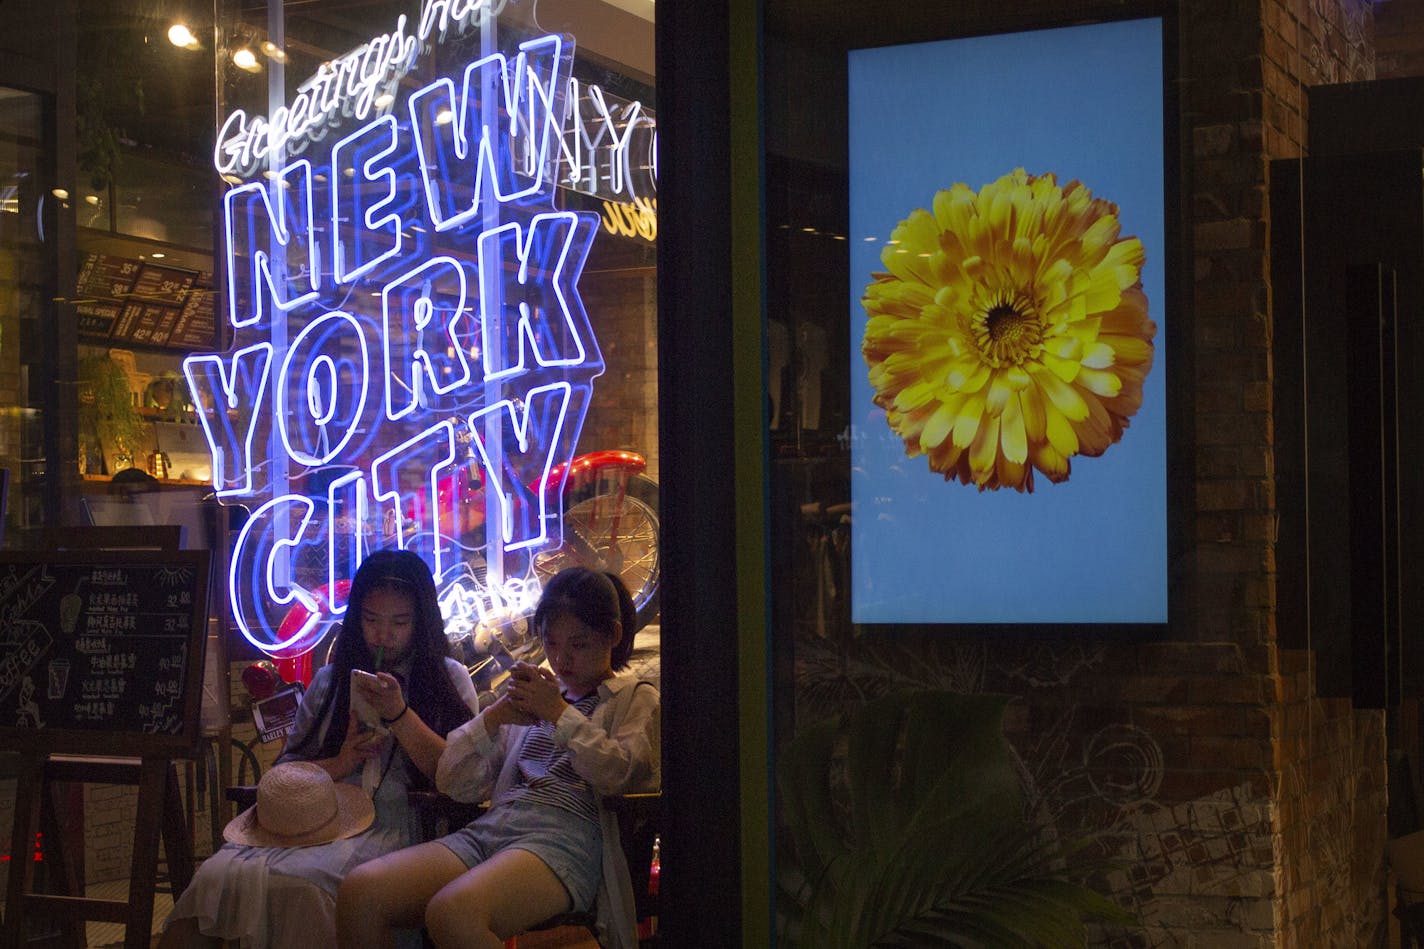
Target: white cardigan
(618,751)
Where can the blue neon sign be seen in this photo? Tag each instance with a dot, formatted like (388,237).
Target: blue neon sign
(411,357)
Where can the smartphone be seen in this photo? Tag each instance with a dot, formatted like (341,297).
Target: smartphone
(365,714)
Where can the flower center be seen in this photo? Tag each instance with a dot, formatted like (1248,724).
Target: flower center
(1008,331)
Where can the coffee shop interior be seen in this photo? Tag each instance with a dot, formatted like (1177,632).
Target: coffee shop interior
(1072,611)
(128,178)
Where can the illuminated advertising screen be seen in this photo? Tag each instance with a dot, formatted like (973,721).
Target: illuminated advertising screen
(411,361)
(1008,373)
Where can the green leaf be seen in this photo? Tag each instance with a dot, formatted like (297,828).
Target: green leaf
(917,835)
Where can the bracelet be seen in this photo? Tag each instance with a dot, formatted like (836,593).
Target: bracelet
(391,721)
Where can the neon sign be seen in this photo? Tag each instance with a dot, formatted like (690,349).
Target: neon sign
(638,219)
(411,357)
(610,146)
(607,145)
(345,87)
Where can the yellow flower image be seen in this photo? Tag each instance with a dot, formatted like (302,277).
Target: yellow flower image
(1010,332)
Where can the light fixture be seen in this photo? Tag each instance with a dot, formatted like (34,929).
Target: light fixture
(273,52)
(158,255)
(384,99)
(182,37)
(444,117)
(244,58)
(91,199)
(60,193)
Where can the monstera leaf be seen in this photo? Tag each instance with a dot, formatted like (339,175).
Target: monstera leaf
(909,825)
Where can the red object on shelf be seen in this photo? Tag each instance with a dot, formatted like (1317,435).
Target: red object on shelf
(295,669)
(261,679)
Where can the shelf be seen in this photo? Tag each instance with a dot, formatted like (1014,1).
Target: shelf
(168,415)
(174,482)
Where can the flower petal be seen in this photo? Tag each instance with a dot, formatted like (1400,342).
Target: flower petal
(1062,395)
(966,426)
(1012,436)
(1061,435)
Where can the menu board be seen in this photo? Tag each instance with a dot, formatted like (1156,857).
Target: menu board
(97,319)
(102,652)
(152,324)
(196,325)
(163,284)
(107,275)
(132,302)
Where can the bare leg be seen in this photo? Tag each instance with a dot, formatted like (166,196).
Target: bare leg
(183,934)
(391,891)
(497,899)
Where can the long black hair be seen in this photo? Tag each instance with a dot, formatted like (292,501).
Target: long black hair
(427,688)
(600,601)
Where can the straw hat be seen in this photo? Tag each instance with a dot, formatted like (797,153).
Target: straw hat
(298,805)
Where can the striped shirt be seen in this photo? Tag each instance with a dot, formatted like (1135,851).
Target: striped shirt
(546,772)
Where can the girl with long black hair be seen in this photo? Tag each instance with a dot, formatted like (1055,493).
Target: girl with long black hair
(260,889)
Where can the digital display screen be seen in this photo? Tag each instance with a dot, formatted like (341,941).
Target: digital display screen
(1008,370)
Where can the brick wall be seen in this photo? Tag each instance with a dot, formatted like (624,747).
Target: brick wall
(1330,757)
(619,291)
(1242,809)
(1399,38)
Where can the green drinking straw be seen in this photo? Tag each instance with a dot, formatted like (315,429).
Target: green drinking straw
(380,653)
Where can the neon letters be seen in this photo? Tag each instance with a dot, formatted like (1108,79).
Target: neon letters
(607,145)
(411,354)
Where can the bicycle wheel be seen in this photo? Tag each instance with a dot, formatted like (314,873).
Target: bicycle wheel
(613,531)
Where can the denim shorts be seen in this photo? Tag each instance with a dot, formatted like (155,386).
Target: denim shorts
(569,845)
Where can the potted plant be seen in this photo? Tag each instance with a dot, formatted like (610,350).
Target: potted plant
(910,828)
(107,413)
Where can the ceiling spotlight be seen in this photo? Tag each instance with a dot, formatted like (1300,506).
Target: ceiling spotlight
(158,255)
(244,58)
(384,99)
(182,37)
(444,117)
(273,52)
(91,199)
(60,193)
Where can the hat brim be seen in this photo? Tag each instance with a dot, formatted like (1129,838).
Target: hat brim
(354,813)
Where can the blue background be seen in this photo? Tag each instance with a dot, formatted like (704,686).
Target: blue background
(1081,102)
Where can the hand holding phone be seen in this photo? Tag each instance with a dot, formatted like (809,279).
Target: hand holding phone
(366,713)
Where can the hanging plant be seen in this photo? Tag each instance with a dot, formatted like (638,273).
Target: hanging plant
(109,91)
(106,405)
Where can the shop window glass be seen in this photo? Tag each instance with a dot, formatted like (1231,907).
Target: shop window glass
(25,288)
(562,242)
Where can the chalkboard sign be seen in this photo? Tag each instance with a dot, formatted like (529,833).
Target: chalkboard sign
(102,652)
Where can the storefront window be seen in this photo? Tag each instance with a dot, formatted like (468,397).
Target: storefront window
(438,249)
(25,284)
(334,278)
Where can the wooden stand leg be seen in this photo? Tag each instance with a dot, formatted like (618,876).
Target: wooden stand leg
(22,849)
(177,844)
(61,811)
(143,872)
